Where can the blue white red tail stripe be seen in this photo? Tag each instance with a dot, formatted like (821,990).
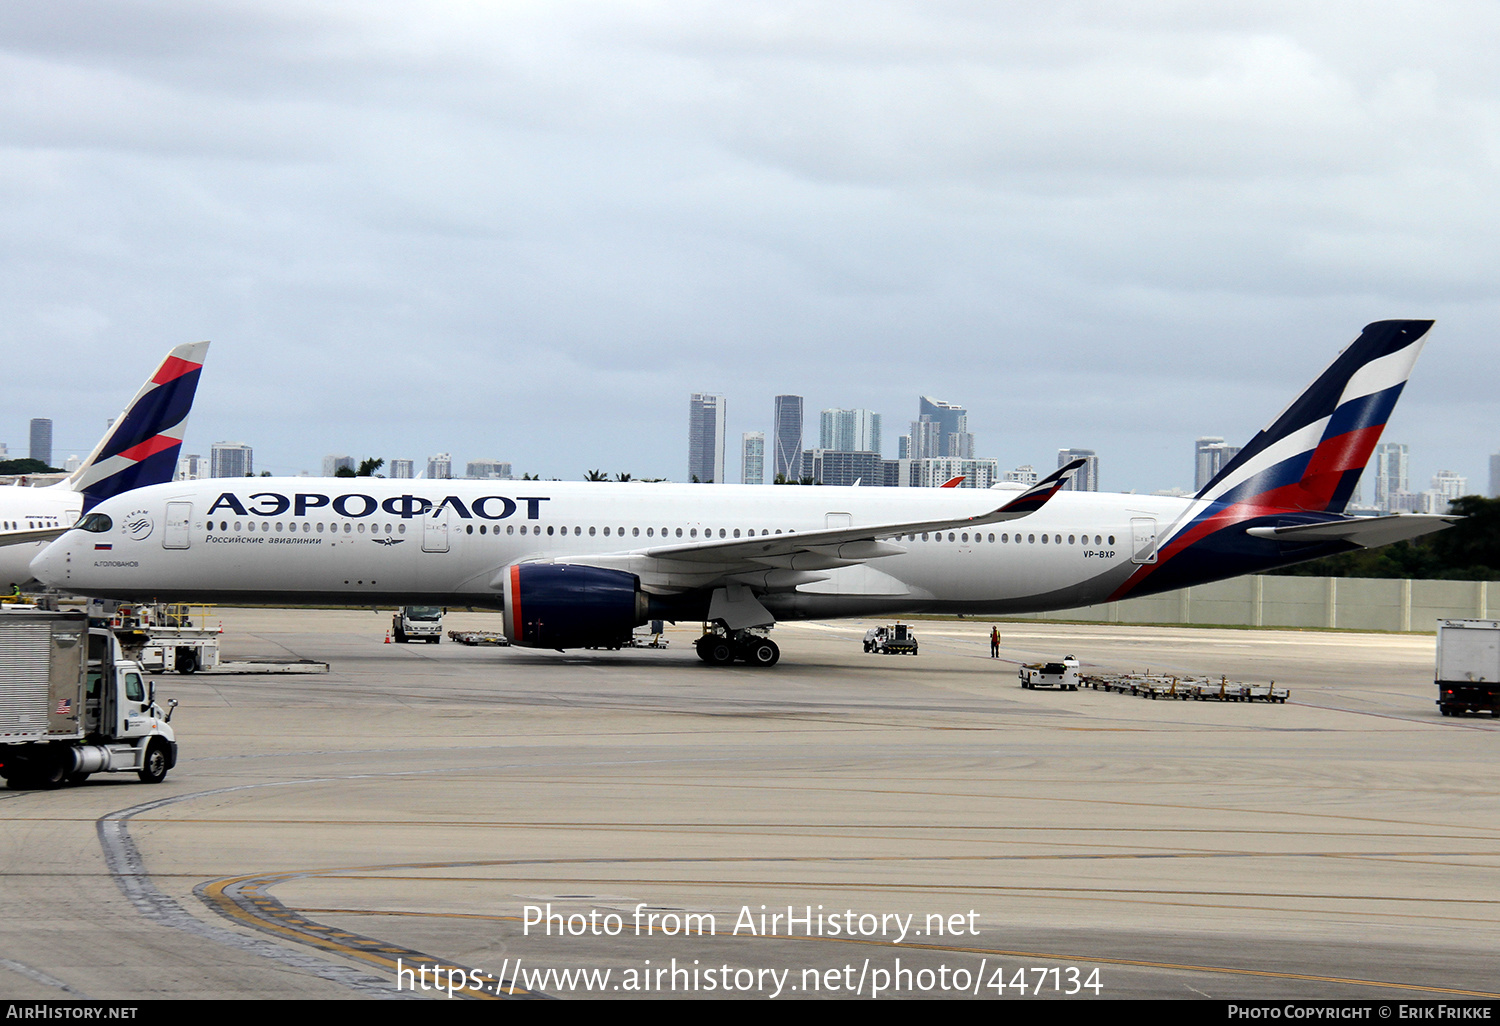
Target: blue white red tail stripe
(143,445)
(1309,459)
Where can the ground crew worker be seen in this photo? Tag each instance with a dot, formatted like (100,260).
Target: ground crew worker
(995,642)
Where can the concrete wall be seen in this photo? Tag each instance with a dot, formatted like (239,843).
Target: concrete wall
(1354,603)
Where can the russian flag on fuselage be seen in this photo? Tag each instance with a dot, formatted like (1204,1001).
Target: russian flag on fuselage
(143,445)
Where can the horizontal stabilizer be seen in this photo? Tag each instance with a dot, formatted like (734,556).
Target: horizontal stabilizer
(1367,532)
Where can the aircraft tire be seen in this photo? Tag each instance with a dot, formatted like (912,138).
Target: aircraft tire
(762,653)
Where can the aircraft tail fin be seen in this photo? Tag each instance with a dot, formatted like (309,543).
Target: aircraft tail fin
(1311,456)
(142,445)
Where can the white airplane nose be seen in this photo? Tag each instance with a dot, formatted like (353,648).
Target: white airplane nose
(50,565)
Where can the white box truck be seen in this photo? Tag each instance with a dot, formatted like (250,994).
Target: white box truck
(71,704)
(418,623)
(1468,667)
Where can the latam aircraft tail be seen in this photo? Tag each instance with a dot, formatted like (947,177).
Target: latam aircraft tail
(142,445)
(1310,457)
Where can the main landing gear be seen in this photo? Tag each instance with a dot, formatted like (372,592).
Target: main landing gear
(721,647)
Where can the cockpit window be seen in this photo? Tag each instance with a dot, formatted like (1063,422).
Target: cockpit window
(97,523)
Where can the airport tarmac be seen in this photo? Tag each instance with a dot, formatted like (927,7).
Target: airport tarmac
(976,839)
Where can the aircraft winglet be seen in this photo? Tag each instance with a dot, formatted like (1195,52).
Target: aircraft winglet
(1035,497)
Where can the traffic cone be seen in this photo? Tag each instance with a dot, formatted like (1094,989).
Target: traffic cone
(387,637)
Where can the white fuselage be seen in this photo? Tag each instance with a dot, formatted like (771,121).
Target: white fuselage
(368,540)
(32,509)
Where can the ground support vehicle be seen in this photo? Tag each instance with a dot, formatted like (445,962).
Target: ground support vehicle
(417,623)
(71,704)
(162,638)
(719,646)
(897,639)
(496,638)
(1061,675)
(1201,689)
(1468,667)
(652,638)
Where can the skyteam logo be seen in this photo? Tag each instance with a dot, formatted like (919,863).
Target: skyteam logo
(138,525)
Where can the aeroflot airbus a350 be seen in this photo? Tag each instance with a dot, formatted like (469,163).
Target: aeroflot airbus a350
(578,564)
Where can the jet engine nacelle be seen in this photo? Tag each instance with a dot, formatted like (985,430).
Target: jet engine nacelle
(559,605)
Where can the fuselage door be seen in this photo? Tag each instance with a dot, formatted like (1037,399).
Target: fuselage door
(833,521)
(435,531)
(179,519)
(1143,539)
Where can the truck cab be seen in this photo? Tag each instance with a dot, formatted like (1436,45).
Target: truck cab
(418,623)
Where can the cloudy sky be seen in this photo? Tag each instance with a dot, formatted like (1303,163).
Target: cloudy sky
(527,231)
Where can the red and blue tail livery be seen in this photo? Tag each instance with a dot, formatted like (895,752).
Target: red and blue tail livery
(1287,488)
(142,446)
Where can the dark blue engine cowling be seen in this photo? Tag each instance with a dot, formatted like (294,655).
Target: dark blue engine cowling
(559,605)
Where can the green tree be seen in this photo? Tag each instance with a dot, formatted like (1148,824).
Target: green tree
(596,475)
(26,465)
(368,467)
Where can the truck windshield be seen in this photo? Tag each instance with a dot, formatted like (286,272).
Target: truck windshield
(424,612)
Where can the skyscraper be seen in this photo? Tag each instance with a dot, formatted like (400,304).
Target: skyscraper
(753,457)
(849,431)
(941,429)
(439,467)
(1495,476)
(401,469)
(335,462)
(487,470)
(706,438)
(1390,474)
(1087,478)
(788,455)
(41,440)
(1210,455)
(231,459)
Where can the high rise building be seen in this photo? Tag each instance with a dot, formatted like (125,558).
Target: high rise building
(1087,478)
(231,459)
(1449,485)
(706,438)
(401,469)
(753,457)
(788,454)
(849,431)
(1390,475)
(843,468)
(440,467)
(487,470)
(1494,475)
(1025,474)
(41,440)
(1210,455)
(191,467)
(941,429)
(333,463)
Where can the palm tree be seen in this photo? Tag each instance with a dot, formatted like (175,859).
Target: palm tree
(596,475)
(622,477)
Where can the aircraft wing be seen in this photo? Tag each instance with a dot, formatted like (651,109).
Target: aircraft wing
(38,535)
(787,560)
(1368,532)
(860,543)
